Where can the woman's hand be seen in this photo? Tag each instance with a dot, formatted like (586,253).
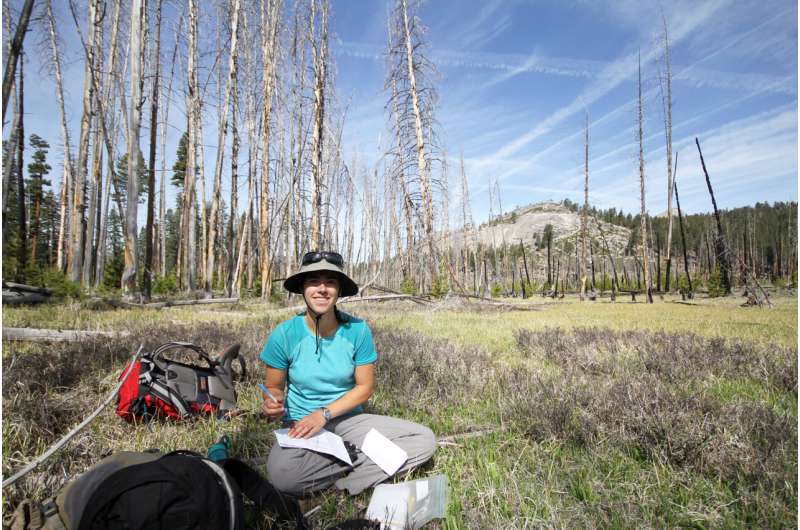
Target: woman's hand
(308,426)
(273,409)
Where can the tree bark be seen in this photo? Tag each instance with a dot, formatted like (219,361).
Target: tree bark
(14,52)
(66,177)
(77,224)
(270,19)
(188,264)
(22,249)
(221,138)
(151,177)
(95,180)
(320,49)
(137,80)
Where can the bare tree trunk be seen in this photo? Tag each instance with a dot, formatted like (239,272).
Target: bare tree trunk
(270,19)
(14,52)
(77,226)
(720,244)
(232,239)
(422,161)
(109,98)
(223,133)
(585,213)
(66,178)
(667,103)
(22,250)
(645,260)
(320,50)
(188,264)
(137,80)
(683,237)
(162,204)
(151,179)
(95,183)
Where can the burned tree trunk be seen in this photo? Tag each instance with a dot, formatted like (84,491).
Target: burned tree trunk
(22,249)
(151,176)
(683,237)
(719,243)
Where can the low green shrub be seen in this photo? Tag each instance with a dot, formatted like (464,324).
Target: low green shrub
(408,286)
(165,284)
(61,286)
(716,287)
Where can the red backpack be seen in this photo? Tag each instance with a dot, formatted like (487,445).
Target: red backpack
(160,387)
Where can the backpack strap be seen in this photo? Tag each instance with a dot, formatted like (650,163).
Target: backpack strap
(265,495)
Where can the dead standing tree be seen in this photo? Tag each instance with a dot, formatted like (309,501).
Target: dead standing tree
(666,99)
(137,83)
(720,245)
(319,49)
(63,229)
(270,19)
(77,224)
(14,52)
(188,266)
(151,177)
(223,133)
(416,100)
(640,123)
(585,212)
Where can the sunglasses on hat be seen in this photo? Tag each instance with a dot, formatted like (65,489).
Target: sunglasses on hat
(330,257)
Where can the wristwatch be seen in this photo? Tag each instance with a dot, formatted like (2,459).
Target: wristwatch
(326,413)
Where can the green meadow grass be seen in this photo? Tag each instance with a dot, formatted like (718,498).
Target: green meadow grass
(494,330)
(591,415)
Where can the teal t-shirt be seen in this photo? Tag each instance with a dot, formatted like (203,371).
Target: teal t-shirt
(318,377)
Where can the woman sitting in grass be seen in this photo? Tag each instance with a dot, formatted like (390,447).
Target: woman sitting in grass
(328,359)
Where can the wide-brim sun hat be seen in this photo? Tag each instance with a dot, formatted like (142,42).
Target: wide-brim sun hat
(294,283)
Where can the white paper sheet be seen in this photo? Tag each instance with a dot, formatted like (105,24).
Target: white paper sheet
(322,442)
(381,450)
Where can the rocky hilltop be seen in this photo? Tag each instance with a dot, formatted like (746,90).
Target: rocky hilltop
(527,224)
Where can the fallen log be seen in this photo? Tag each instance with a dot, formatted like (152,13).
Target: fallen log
(175,303)
(57,335)
(12,286)
(377,298)
(15,297)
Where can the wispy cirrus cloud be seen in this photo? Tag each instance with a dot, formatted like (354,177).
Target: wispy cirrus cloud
(609,78)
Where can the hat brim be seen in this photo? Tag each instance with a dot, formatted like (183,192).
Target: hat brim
(294,283)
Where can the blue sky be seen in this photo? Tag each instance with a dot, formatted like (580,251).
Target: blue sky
(516,76)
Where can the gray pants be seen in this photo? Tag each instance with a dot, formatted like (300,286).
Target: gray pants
(300,472)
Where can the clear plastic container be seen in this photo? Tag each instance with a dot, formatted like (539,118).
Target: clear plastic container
(409,505)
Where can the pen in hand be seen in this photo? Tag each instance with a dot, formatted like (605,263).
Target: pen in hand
(273,407)
(264,389)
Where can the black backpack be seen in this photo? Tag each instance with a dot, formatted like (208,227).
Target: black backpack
(176,491)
